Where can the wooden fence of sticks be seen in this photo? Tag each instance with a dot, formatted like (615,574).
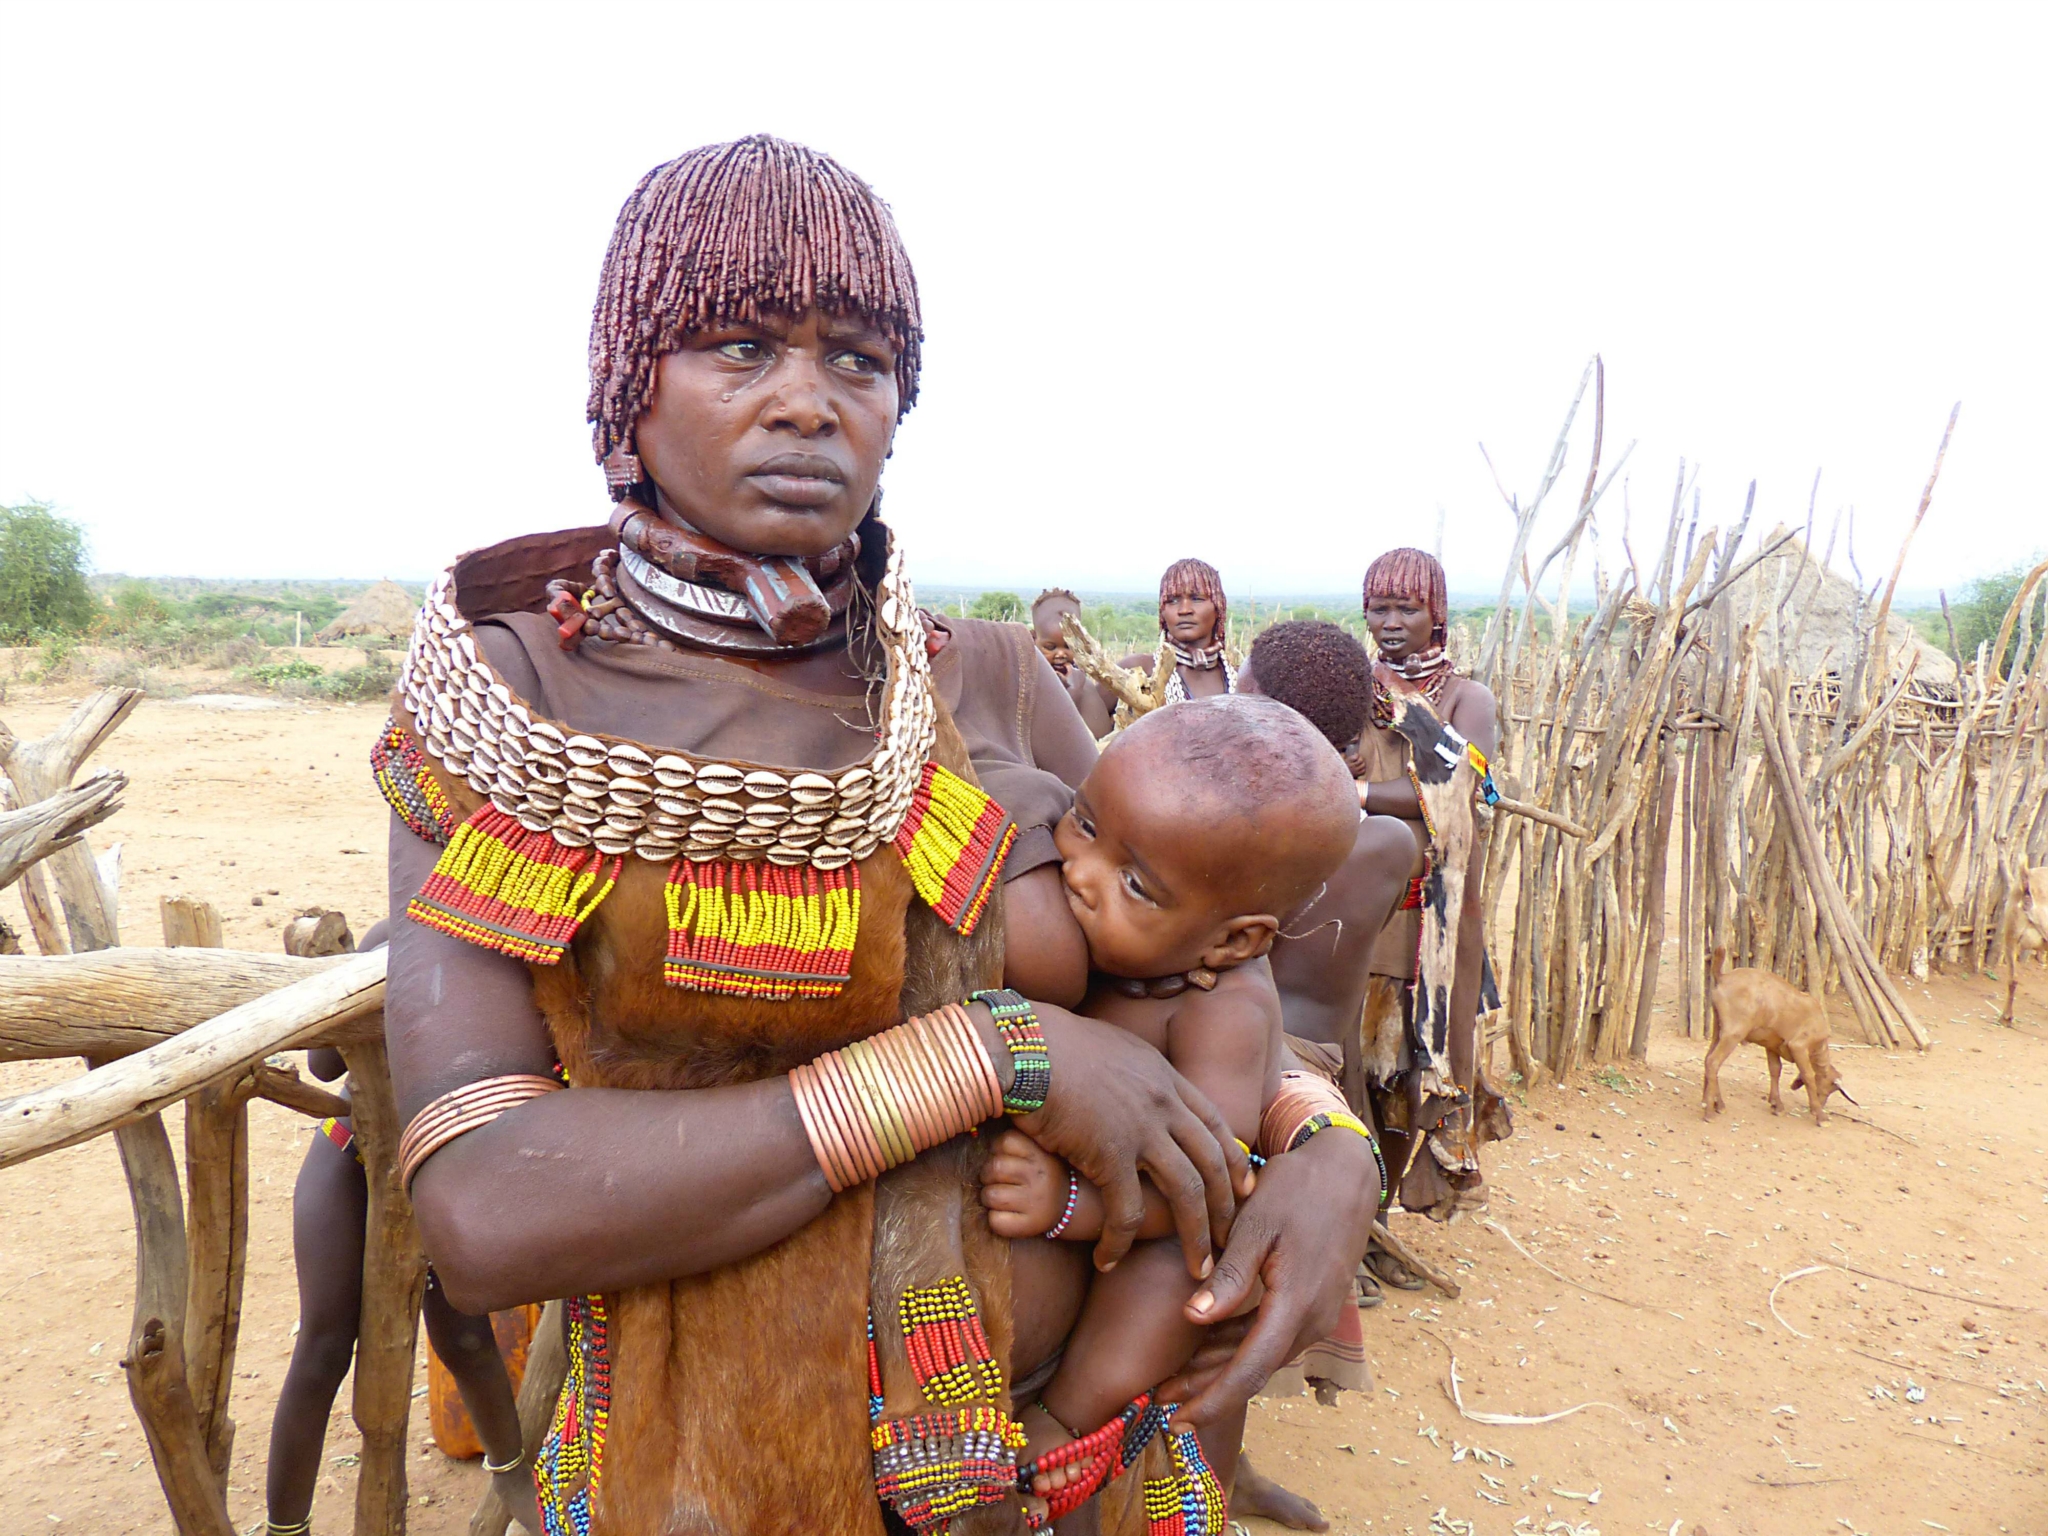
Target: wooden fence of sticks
(1839,829)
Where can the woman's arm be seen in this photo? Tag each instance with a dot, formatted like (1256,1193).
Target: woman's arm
(593,1189)
(1300,1238)
(601,1189)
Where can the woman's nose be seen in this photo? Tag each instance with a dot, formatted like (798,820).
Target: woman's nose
(804,402)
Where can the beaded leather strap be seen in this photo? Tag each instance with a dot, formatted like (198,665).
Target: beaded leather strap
(878,1102)
(462,1110)
(1020,1031)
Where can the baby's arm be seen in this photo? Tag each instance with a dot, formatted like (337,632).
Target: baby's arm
(1223,1045)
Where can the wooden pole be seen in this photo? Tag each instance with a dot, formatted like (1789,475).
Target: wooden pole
(1653,902)
(189,923)
(155,1361)
(217,1219)
(394,1280)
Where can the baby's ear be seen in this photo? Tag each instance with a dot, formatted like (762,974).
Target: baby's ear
(1241,939)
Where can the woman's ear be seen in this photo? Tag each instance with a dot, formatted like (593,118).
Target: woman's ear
(1241,939)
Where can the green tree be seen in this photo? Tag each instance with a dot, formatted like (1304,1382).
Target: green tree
(1982,609)
(42,574)
(134,607)
(1005,607)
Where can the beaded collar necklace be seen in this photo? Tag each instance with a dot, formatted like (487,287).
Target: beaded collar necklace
(619,797)
(1428,673)
(1201,657)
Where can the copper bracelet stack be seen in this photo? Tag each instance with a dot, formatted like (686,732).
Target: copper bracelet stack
(462,1110)
(1302,1097)
(876,1103)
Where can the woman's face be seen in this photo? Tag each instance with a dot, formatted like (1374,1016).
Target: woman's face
(1400,625)
(771,437)
(1189,619)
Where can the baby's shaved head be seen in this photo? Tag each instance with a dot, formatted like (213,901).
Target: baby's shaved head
(1257,786)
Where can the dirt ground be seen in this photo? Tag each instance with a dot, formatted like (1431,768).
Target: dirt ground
(1858,1404)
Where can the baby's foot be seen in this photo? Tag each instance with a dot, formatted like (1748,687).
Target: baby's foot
(1023,1187)
(1043,1433)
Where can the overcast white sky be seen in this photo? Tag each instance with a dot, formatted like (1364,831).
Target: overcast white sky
(304,289)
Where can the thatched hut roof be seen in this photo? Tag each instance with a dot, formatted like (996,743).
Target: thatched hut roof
(1821,621)
(385,609)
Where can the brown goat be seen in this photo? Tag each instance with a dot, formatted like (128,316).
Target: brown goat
(2026,930)
(1753,1007)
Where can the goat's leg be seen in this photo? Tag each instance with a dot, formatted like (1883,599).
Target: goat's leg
(1777,1067)
(1710,1089)
(2012,986)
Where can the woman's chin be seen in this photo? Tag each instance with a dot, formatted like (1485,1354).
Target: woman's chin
(799,533)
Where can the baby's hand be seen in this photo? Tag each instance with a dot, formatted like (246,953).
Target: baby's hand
(1023,1186)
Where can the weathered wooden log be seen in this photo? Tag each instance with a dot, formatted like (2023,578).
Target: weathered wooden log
(216,1220)
(318,932)
(217,1246)
(290,1091)
(33,833)
(394,1281)
(155,1362)
(121,1001)
(65,1114)
(42,768)
(189,923)
(547,1367)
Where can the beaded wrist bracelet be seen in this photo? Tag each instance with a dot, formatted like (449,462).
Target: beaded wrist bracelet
(1073,1204)
(878,1102)
(1305,1106)
(1020,1031)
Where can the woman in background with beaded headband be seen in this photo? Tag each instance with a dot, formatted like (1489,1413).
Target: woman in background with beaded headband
(691,810)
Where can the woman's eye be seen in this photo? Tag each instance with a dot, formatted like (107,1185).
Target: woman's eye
(857,362)
(742,351)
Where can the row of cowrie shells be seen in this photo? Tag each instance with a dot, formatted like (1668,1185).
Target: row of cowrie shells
(620,798)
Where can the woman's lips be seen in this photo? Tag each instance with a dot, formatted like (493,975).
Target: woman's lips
(797,490)
(799,479)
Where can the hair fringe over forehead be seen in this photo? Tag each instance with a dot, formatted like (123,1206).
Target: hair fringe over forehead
(728,234)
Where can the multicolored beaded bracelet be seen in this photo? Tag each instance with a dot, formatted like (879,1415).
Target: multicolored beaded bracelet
(1018,1026)
(1305,1106)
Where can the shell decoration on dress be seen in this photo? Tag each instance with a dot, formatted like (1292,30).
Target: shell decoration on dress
(763,889)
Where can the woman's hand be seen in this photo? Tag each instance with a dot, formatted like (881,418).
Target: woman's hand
(1300,1235)
(1117,1108)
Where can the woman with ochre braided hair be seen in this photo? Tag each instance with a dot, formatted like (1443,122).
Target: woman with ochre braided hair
(692,809)
(1194,622)
(1434,1120)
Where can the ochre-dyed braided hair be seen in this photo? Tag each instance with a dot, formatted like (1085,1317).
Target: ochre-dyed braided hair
(1196,578)
(728,234)
(1413,573)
